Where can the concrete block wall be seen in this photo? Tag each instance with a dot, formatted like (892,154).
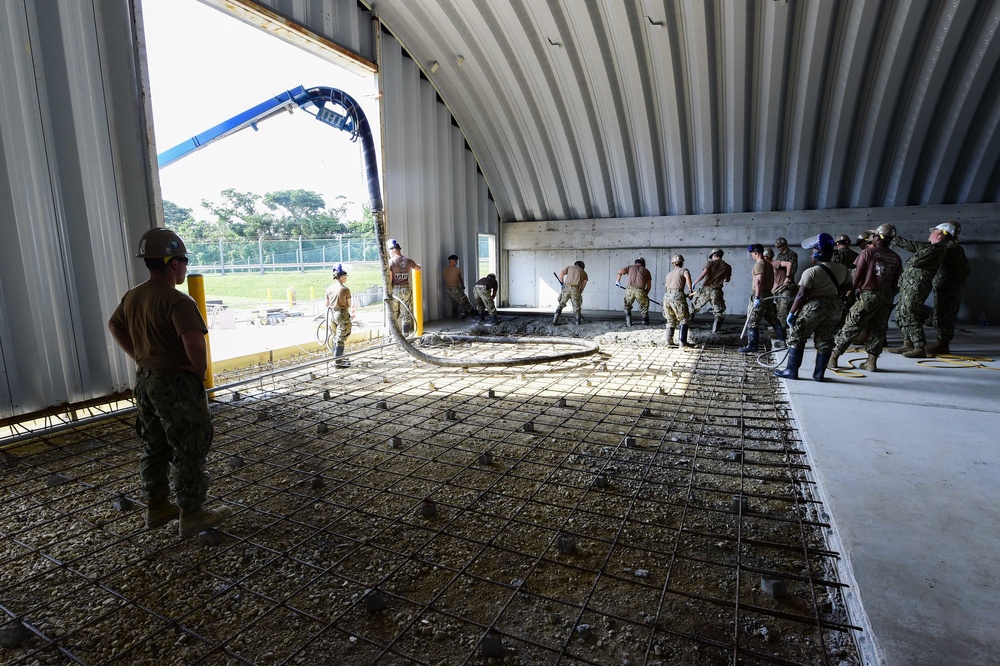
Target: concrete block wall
(532,251)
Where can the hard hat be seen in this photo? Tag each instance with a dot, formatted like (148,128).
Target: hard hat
(640,261)
(769,253)
(886,231)
(338,270)
(716,251)
(844,238)
(779,241)
(818,242)
(946,227)
(492,275)
(579,263)
(159,242)
(865,236)
(958,227)
(392,244)
(677,259)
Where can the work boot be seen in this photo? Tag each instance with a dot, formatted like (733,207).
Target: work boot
(684,336)
(791,370)
(628,317)
(493,319)
(579,318)
(405,328)
(916,352)
(939,347)
(716,325)
(753,336)
(199,520)
(779,338)
(822,358)
(670,336)
(454,310)
(869,363)
(555,317)
(340,362)
(907,346)
(833,360)
(161,512)
(645,319)
(482,316)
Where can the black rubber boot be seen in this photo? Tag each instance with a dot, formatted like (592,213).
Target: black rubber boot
(482,316)
(779,336)
(338,362)
(555,317)
(791,370)
(716,324)
(405,328)
(684,336)
(645,319)
(454,310)
(822,358)
(579,319)
(753,336)
(670,336)
(493,319)
(628,317)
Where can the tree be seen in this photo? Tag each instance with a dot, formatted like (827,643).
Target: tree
(238,215)
(174,215)
(365,227)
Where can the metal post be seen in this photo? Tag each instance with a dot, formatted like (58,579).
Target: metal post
(260,253)
(222,258)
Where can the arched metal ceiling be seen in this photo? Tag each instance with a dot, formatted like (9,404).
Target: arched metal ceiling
(621,108)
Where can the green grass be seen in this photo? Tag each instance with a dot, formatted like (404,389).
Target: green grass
(248,290)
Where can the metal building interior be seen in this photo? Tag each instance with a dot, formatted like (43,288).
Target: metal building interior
(651,506)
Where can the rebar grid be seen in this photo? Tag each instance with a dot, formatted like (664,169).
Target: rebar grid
(631,508)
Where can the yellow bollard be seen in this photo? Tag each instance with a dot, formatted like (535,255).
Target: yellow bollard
(291,297)
(418,300)
(196,289)
(268,297)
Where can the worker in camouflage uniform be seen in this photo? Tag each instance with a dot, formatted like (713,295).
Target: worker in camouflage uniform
(338,299)
(399,279)
(675,306)
(573,280)
(816,309)
(640,281)
(761,304)
(485,291)
(163,330)
(875,282)
(916,284)
(714,273)
(842,252)
(781,284)
(454,284)
(785,292)
(949,281)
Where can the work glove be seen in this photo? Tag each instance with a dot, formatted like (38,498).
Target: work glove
(756,302)
(618,284)
(790,319)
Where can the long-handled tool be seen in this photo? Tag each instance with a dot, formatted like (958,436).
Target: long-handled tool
(650,299)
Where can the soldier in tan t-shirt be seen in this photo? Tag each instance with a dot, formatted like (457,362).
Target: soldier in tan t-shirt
(715,273)
(574,281)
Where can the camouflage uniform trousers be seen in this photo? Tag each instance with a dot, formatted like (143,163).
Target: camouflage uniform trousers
(675,308)
(342,320)
(458,297)
(571,292)
(870,313)
(766,312)
(709,296)
(633,294)
(914,287)
(947,301)
(818,318)
(176,431)
(483,299)
(785,295)
(401,311)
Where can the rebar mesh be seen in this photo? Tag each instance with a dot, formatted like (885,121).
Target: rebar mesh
(637,509)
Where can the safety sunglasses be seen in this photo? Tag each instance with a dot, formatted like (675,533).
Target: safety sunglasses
(183,260)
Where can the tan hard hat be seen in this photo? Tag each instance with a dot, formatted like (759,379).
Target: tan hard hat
(716,251)
(843,238)
(158,243)
(677,259)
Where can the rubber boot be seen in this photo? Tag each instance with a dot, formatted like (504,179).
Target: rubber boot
(834,357)
(199,520)
(493,319)
(791,370)
(454,310)
(684,336)
(869,363)
(822,358)
(555,317)
(779,338)
(645,319)
(579,318)
(670,336)
(907,346)
(628,317)
(340,362)
(482,316)
(405,328)
(160,511)
(716,324)
(753,335)
(916,352)
(939,347)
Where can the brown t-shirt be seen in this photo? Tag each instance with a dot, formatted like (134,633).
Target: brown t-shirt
(575,275)
(638,275)
(338,295)
(400,267)
(676,279)
(716,272)
(877,269)
(766,271)
(156,315)
(452,277)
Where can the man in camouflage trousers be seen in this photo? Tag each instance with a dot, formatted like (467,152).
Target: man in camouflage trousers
(399,279)
(785,292)
(454,284)
(640,281)
(949,282)
(574,281)
(916,284)
(485,293)
(338,299)
(163,330)
(675,306)
(875,282)
(761,303)
(714,273)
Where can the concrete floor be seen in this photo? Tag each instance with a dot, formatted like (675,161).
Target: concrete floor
(908,462)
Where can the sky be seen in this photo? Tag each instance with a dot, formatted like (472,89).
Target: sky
(206,66)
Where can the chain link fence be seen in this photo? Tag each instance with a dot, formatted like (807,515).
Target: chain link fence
(287,254)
